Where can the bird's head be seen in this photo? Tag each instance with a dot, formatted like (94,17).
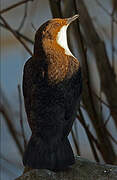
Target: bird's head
(52,34)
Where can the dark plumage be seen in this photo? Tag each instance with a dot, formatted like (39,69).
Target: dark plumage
(51,88)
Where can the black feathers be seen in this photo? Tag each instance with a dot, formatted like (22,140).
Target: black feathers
(51,111)
(52,86)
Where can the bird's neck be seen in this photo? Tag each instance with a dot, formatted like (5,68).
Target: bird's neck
(60,65)
(62,40)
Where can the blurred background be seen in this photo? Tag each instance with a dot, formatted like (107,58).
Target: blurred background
(93,40)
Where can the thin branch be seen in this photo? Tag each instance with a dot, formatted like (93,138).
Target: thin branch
(112,38)
(55,6)
(11,128)
(7,160)
(15,34)
(75,143)
(87,75)
(21,117)
(93,112)
(86,127)
(105,10)
(103,31)
(25,37)
(24,18)
(87,97)
(109,116)
(97,45)
(113,108)
(34,28)
(90,136)
(110,135)
(107,79)
(14,6)
(19,34)
(100,103)
(76,135)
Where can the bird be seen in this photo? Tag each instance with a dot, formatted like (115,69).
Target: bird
(52,86)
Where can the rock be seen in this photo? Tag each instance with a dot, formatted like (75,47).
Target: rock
(82,170)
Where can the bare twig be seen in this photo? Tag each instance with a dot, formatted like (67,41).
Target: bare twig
(75,143)
(15,34)
(90,102)
(34,28)
(19,34)
(14,6)
(103,31)
(21,117)
(100,103)
(94,94)
(87,76)
(55,7)
(24,18)
(113,108)
(90,136)
(98,48)
(11,127)
(110,135)
(109,116)
(105,10)
(82,121)
(7,160)
(112,38)
(87,96)
(107,76)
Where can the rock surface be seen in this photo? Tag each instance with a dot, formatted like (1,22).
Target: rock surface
(82,170)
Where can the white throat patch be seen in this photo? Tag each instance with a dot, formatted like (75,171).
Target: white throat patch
(62,40)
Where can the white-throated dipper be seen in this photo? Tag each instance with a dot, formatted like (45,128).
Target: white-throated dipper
(52,86)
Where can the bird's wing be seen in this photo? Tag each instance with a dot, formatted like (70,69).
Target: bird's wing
(44,104)
(48,112)
(27,86)
(72,101)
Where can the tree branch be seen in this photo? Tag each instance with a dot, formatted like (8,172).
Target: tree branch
(90,137)
(55,7)
(10,127)
(91,107)
(15,34)
(107,76)
(14,6)
(24,18)
(75,142)
(19,34)
(112,39)
(106,11)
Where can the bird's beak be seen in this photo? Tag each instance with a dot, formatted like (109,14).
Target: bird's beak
(73,18)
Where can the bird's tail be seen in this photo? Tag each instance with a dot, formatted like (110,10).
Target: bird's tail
(39,156)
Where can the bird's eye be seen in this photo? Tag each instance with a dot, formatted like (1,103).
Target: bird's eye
(57,24)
